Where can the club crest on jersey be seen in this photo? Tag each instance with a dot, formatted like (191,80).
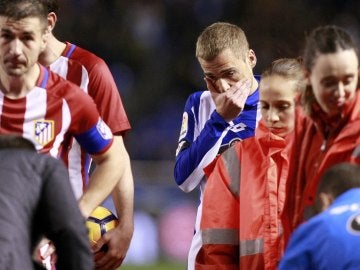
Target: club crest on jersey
(104,130)
(184,125)
(44,131)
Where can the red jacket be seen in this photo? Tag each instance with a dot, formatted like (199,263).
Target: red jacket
(243,202)
(320,144)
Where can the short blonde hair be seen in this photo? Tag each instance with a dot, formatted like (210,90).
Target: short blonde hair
(220,36)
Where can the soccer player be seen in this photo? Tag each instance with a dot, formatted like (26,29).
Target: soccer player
(332,102)
(214,119)
(49,110)
(331,239)
(36,199)
(93,76)
(246,186)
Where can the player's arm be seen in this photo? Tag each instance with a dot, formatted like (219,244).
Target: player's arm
(96,138)
(109,171)
(193,154)
(103,90)
(118,240)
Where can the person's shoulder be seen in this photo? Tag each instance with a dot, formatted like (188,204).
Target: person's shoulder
(44,159)
(58,86)
(87,58)
(27,158)
(246,143)
(200,101)
(54,78)
(18,152)
(197,96)
(55,81)
(317,226)
(309,234)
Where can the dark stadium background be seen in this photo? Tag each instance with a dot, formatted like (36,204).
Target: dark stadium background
(149,46)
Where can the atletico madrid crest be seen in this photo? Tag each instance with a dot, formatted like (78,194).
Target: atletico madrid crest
(44,131)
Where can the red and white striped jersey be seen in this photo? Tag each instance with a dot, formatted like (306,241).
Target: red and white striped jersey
(91,73)
(51,114)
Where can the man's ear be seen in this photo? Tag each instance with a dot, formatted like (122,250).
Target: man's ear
(52,19)
(252,58)
(325,200)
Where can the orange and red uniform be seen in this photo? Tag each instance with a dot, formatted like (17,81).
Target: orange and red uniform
(243,202)
(322,143)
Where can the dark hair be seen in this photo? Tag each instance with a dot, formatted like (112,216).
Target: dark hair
(323,40)
(20,9)
(52,5)
(340,178)
(12,141)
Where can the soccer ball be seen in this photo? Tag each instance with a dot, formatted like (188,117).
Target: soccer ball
(99,222)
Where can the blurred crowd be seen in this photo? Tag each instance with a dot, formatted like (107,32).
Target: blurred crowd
(150,46)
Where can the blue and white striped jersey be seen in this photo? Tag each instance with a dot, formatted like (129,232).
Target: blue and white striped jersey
(204,134)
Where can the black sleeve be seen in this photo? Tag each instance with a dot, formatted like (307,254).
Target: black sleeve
(64,223)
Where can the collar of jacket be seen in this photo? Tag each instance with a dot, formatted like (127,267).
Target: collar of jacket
(270,142)
(330,125)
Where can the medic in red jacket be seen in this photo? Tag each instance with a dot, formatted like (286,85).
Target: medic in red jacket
(332,133)
(245,193)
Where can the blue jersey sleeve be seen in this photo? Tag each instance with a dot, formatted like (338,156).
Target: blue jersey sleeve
(196,143)
(204,134)
(97,139)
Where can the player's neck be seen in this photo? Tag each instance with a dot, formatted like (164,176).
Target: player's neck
(16,87)
(254,85)
(52,52)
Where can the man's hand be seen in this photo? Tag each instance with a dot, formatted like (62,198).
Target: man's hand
(111,249)
(44,253)
(117,241)
(230,102)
